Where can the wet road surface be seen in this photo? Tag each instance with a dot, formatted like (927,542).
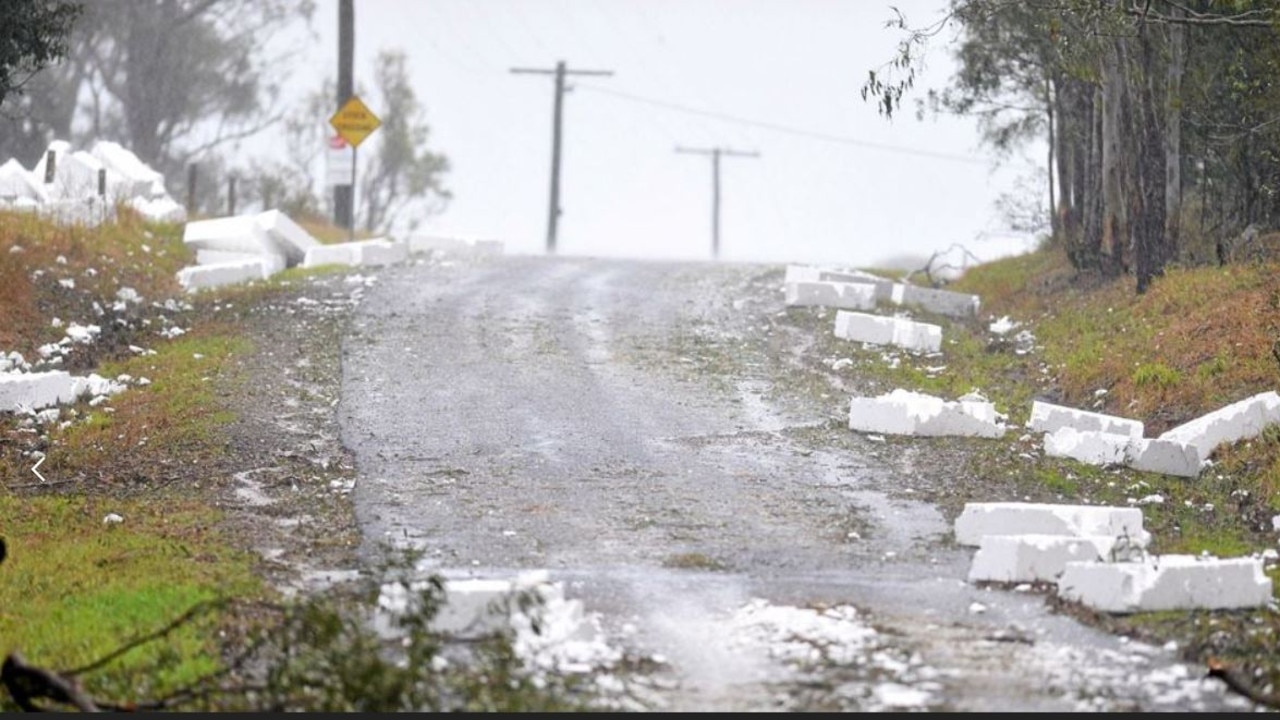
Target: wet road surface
(560,413)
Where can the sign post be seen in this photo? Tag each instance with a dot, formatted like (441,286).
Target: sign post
(354,122)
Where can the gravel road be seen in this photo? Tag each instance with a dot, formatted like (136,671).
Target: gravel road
(616,424)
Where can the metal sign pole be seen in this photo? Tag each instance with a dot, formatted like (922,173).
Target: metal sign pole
(351,219)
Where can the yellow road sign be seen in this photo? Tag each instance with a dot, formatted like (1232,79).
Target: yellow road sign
(354,121)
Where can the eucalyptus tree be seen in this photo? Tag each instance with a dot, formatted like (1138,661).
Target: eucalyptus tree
(33,34)
(1105,82)
(404,175)
(172,80)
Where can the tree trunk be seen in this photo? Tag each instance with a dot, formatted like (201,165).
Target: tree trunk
(1173,138)
(1150,248)
(1115,173)
(1090,254)
(1055,222)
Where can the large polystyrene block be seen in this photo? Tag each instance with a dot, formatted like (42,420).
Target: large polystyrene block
(879,330)
(903,412)
(16,183)
(474,606)
(1104,448)
(863,327)
(291,239)
(1047,417)
(240,233)
(335,254)
(36,390)
(917,336)
(265,233)
(1034,558)
(198,277)
(943,302)
(358,253)
(159,208)
(801,273)
(1087,446)
(137,179)
(479,606)
(1020,518)
(1238,421)
(851,296)
(381,252)
(75,175)
(1167,582)
(275,263)
(1164,456)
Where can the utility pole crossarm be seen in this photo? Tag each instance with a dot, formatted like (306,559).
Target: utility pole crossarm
(544,71)
(560,71)
(718,151)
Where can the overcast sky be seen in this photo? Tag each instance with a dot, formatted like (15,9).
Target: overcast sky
(833,182)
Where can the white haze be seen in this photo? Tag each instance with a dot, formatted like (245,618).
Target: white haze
(834,181)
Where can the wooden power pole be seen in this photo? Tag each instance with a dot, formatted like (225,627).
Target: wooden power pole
(344,195)
(557,112)
(716,153)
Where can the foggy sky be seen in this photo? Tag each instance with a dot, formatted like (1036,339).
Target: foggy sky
(834,182)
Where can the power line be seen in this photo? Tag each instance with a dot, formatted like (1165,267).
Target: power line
(559,72)
(716,153)
(783,128)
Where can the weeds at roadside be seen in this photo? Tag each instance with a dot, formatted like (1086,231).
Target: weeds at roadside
(337,652)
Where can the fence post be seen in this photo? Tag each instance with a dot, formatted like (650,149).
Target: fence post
(191,189)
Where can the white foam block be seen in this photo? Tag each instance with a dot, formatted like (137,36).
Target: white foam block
(879,330)
(16,183)
(275,263)
(381,252)
(358,253)
(851,296)
(1238,421)
(1092,447)
(335,254)
(1047,417)
(290,239)
(138,177)
(1103,448)
(239,234)
(903,412)
(978,520)
(36,390)
(943,302)
(1034,558)
(197,277)
(483,605)
(1167,582)
(1165,456)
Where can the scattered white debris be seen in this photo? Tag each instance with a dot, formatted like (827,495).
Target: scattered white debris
(1002,325)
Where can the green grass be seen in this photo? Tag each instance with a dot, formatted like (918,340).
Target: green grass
(177,414)
(75,589)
